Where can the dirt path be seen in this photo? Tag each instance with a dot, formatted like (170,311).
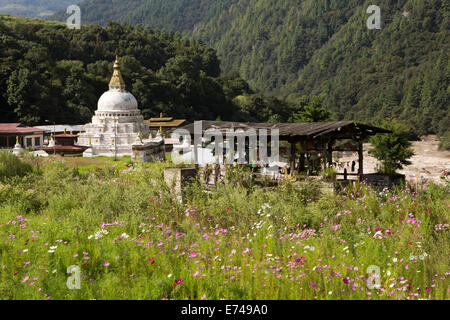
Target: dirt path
(428,163)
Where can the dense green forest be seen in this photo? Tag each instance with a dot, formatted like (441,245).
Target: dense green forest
(33,8)
(48,72)
(296,48)
(171,15)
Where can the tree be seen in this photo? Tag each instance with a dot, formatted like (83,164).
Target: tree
(392,149)
(313,111)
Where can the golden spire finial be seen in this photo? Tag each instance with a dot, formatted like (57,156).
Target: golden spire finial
(116,79)
(17,139)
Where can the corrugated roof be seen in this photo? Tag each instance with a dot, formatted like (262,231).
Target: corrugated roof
(163,119)
(174,123)
(62,127)
(286,130)
(17,128)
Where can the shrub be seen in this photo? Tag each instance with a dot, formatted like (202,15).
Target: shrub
(12,166)
(329,174)
(393,149)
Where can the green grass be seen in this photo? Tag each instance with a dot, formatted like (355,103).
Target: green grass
(288,242)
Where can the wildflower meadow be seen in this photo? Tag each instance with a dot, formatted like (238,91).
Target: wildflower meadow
(116,231)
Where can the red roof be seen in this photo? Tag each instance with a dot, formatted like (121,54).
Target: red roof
(64,148)
(17,128)
(66,135)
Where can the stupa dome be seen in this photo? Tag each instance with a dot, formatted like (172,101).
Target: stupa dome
(117,98)
(117,101)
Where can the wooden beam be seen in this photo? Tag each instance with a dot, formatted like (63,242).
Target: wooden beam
(293,152)
(360,158)
(330,152)
(302,167)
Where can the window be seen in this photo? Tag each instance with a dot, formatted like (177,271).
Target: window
(29,142)
(37,141)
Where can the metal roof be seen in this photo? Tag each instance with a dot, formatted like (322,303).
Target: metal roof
(17,128)
(296,130)
(62,127)
(164,122)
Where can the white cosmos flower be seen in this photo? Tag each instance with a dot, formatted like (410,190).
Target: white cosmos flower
(54,247)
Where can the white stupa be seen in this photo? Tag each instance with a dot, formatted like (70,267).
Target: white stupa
(117,123)
(17,148)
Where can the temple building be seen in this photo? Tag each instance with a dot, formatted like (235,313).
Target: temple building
(164,124)
(117,124)
(12,134)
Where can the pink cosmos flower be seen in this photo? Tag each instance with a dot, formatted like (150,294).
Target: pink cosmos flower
(106,264)
(25,279)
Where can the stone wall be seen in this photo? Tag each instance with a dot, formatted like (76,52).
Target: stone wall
(382,181)
(149,152)
(178,179)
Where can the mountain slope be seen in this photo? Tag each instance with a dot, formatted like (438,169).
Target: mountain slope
(173,15)
(33,8)
(293,48)
(401,71)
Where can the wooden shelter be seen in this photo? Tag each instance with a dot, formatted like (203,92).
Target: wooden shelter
(307,138)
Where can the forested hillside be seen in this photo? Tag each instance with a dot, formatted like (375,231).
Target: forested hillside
(401,71)
(172,15)
(48,72)
(296,48)
(33,8)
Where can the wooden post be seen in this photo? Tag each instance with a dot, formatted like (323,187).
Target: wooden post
(360,158)
(302,162)
(330,152)
(7,142)
(293,149)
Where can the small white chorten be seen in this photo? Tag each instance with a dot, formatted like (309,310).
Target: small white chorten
(17,148)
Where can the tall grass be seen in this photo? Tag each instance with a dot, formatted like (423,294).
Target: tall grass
(123,227)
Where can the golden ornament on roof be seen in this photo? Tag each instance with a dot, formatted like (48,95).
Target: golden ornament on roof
(116,79)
